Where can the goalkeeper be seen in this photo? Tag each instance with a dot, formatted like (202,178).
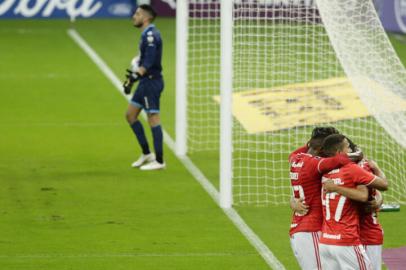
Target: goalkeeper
(147,70)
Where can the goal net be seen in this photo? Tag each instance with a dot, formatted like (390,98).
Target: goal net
(297,64)
(203,75)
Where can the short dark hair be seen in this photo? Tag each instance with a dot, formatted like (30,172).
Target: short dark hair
(318,135)
(322,132)
(332,144)
(149,9)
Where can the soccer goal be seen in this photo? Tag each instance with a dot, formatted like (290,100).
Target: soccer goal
(255,77)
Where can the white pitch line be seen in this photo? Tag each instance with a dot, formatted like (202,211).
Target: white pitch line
(255,241)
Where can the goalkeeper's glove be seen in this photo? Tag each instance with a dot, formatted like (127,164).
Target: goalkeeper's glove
(131,78)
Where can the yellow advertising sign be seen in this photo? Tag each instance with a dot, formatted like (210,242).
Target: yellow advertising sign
(331,100)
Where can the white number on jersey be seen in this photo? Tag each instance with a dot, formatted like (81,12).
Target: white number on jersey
(299,189)
(340,205)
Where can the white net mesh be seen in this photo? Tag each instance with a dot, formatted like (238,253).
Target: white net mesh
(377,73)
(203,76)
(274,46)
(297,66)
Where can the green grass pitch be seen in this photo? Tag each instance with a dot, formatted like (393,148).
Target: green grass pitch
(68,198)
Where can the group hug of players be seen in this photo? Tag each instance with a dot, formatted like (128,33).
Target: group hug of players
(335,203)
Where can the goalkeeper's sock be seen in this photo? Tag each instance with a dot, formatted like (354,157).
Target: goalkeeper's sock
(140,134)
(158,139)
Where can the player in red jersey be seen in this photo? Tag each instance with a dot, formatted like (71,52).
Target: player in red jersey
(306,169)
(340,244)
(371,232)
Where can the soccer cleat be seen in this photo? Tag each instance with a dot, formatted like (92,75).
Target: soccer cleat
(154,165)
(143,159)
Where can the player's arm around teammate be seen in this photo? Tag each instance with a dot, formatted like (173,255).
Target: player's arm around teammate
(360,193)
(340,243)
(371,232)
(306,185)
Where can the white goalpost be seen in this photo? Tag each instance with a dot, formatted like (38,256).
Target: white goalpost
(182,18)
(254,77)
(226,119)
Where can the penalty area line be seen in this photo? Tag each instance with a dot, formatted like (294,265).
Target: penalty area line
(231,213)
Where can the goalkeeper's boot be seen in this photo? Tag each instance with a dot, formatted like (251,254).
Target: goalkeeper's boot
(154,165)
(143,159)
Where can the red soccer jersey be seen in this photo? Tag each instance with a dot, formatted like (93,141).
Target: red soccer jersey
(371,232)
(341,215)
(305,174)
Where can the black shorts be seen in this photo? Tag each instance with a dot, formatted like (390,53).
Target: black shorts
(147,94)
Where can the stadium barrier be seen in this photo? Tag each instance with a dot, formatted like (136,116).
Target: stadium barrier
(18,9)
(392,14)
